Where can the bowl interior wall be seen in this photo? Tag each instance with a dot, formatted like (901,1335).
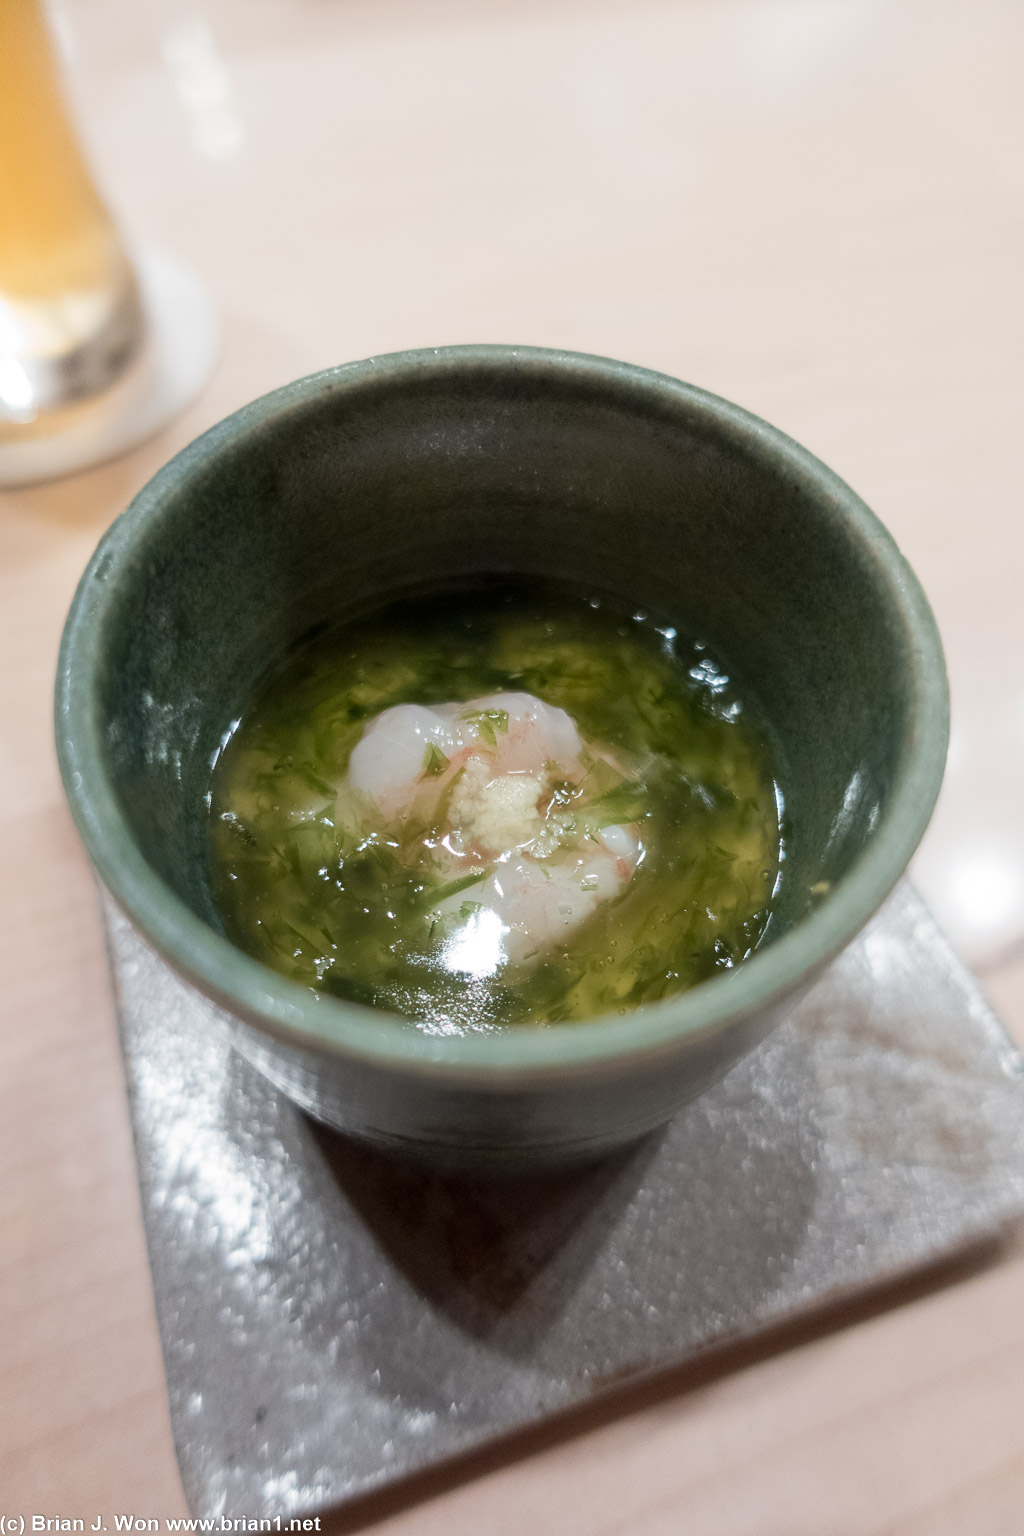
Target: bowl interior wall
(341,501)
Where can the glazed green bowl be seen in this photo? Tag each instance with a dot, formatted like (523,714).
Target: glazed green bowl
(344,489)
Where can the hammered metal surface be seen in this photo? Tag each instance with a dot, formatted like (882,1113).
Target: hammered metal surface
(330,1324)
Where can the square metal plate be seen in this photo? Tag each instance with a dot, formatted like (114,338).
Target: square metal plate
(331,1325)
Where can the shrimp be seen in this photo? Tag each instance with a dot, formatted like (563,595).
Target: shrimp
(387,764)
(526,876)
(526,906)
(513,732)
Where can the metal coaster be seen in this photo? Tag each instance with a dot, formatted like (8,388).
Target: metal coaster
(330,1324)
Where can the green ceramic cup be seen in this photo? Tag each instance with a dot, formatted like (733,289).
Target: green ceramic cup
(345,488)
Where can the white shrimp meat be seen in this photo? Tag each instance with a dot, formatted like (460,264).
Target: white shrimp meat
(496,772)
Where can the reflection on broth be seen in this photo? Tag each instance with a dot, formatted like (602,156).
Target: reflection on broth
(515,805)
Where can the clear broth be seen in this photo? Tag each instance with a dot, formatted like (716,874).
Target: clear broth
(311,881)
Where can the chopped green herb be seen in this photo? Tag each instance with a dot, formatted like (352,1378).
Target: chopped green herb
(308,881)
(442,893)
(434,761)
(488,722)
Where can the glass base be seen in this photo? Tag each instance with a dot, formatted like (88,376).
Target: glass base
(181,331)
(85,343)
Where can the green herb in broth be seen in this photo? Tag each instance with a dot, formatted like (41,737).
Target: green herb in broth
(647,843)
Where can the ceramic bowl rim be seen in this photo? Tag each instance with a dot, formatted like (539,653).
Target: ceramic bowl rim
(294,1015)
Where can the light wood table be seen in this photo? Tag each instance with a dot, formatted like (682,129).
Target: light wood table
(811,206)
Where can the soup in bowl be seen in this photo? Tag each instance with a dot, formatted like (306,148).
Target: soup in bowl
(503,739)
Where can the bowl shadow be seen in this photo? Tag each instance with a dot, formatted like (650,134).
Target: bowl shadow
(494,1300)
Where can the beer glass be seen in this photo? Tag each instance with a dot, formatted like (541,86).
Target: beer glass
(70,314)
